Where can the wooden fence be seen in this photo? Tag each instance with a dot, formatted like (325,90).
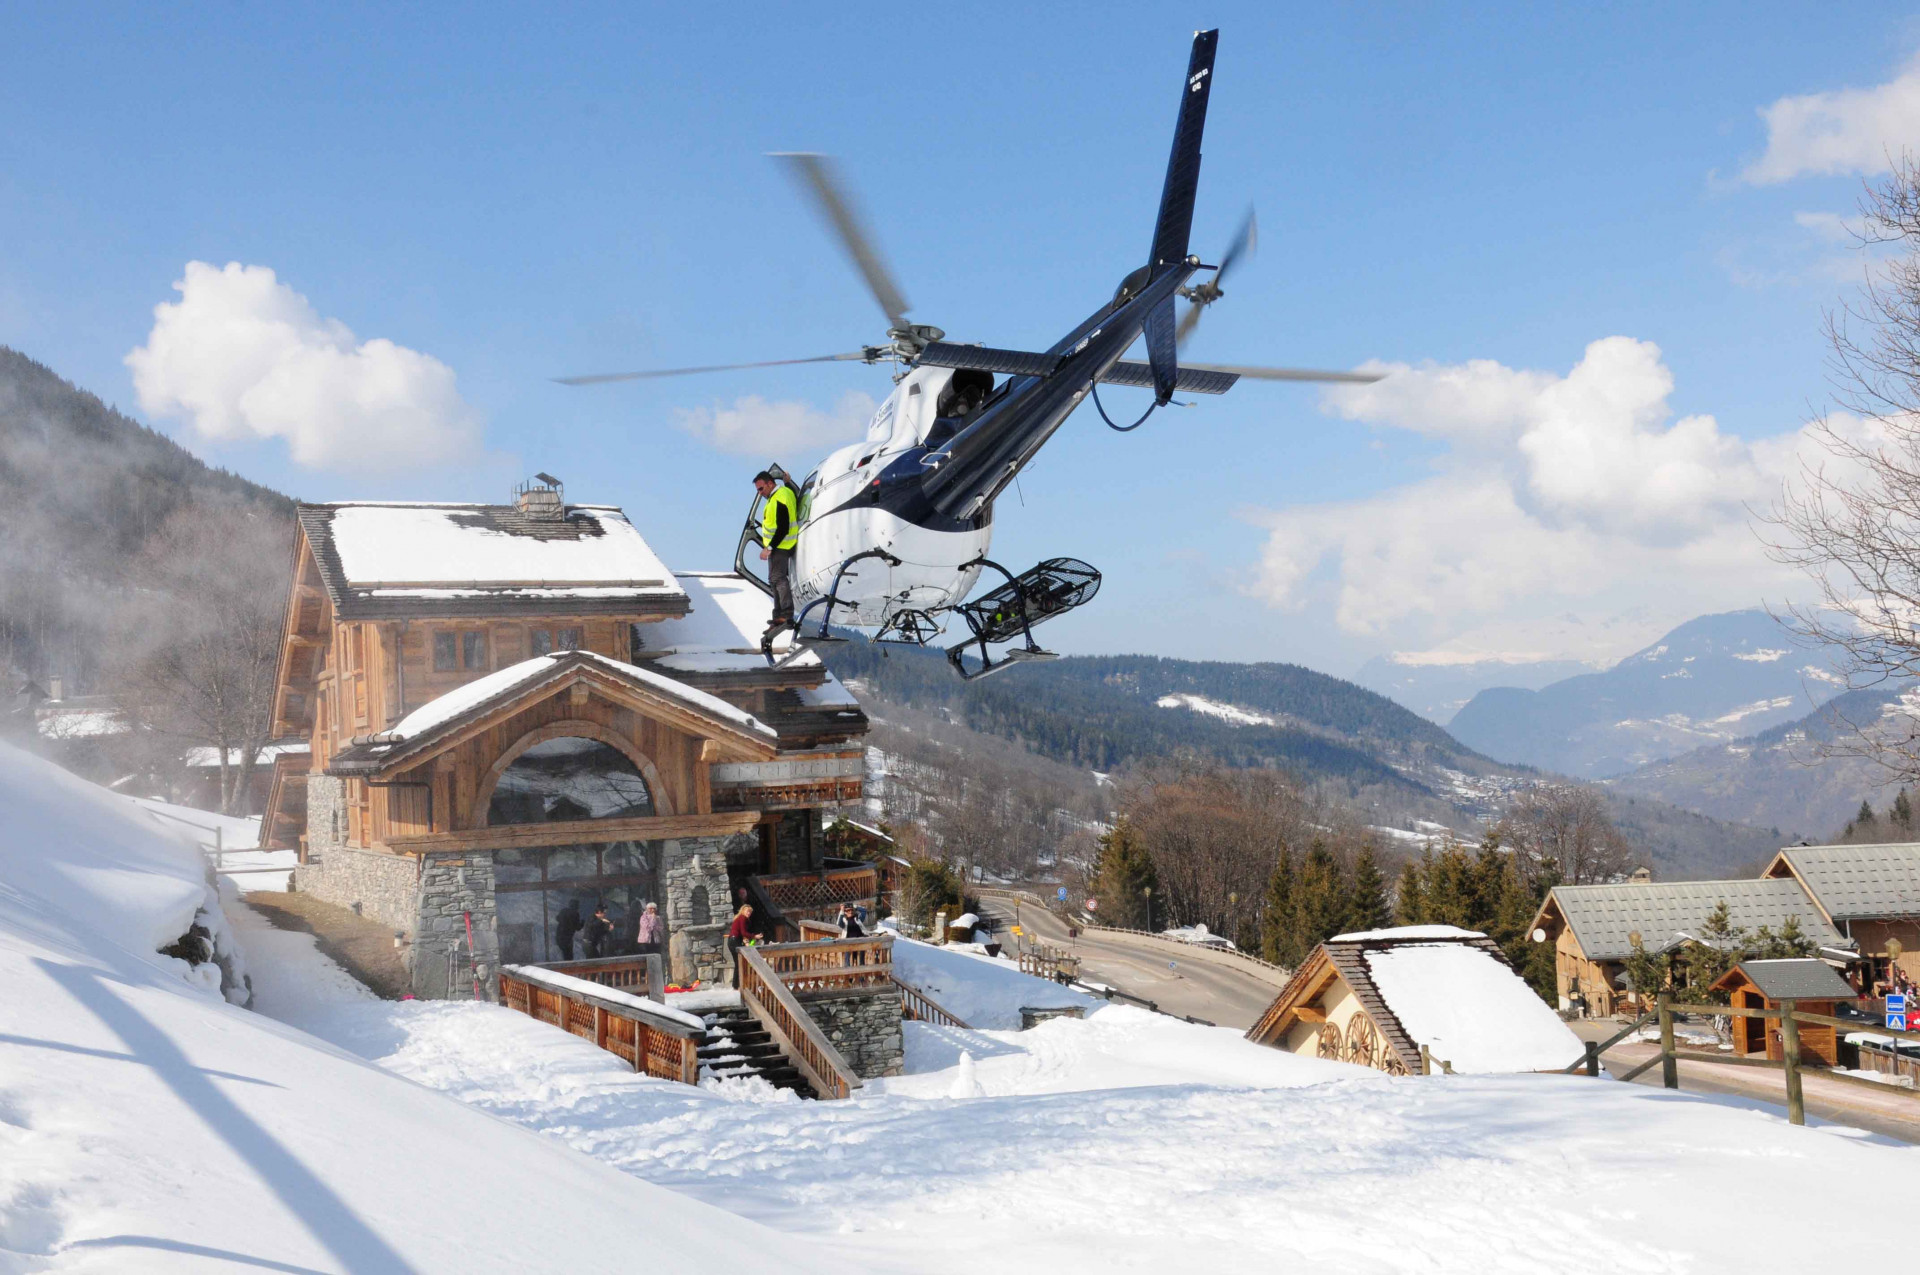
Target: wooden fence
(787,1021)
(1042,961)
(1791,1018)
(653,1044)
(644,973)
(918,1007)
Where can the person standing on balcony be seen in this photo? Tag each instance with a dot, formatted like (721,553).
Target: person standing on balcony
(594,933)
(850,927)
(565,926)
(739,934)
(647,937)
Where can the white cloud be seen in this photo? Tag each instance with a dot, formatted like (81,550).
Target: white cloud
(787,430)
(1557,491)
(1840,131)
(243,356)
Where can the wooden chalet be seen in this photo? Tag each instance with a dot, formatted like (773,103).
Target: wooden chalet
(1811,985)
(1868,893)
(1417,998)
(516,713)
(1592,927)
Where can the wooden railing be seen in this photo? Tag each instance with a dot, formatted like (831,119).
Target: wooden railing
(654,1044)
(609,971)
(831,966)
(1046,962)
(817,895)
(815,931)
(916,1006)
(798,1036)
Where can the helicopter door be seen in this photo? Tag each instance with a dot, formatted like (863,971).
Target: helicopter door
(750,534)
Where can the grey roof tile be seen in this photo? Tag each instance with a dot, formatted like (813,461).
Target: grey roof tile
(1856,882)
(1604,916)
(1803,979)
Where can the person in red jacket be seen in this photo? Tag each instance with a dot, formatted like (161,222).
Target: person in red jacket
(739,933)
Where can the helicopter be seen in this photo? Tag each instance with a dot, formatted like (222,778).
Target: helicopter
(894,530)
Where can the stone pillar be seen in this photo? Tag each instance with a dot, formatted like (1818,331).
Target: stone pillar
(864,1025)
(698,905)
(455,888)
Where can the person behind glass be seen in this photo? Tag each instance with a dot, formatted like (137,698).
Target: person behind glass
(594,933)
(779,533)
(739,934)
(647,936)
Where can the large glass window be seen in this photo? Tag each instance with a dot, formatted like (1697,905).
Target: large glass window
(569,778)
(544,897)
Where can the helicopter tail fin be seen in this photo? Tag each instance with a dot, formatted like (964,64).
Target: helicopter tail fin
(1171,231)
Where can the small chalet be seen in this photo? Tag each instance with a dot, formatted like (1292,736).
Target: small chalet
(1811,985)
(516,714)
(1870,894)
(1376,998)
(1592,927)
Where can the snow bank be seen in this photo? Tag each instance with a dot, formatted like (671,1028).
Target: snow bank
(408,548)
(146,1125)
(1470,1009)
(983,991)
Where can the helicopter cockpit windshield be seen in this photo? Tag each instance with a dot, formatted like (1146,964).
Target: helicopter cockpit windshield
(958,404)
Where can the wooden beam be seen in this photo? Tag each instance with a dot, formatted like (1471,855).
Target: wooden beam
(515,836)
(1310,1013)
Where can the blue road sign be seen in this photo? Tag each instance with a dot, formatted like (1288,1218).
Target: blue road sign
(1897,1003)
(1061,894)
(1896,1022)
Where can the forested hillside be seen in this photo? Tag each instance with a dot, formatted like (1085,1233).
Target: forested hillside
(82,489)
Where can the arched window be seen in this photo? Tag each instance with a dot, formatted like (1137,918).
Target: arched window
(569,778)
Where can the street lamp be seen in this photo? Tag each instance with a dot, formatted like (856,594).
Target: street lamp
(1233,918)
(1148,892)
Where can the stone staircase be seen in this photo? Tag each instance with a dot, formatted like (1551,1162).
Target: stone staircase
(737,1045)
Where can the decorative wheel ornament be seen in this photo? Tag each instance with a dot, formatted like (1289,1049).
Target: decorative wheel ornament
(1363,1043)
(1390,1062)
(1332,1047)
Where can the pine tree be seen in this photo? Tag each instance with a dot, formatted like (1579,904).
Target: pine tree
(1903,811)
(1319,899)
(1276,916)
(1125,875)
(1720,945)
(1409,901)
(1367,895)
(1646,972)
(1451,895)
(1865,817)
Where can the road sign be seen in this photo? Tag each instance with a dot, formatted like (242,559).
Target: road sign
(1093,905)
(1061,894)
(1173,965)
(1018,931)
(1897,1012)
(1896,1022)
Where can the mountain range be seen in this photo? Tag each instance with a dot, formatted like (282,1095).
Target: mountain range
(1709,681)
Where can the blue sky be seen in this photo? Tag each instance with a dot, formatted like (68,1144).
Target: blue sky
(517,196)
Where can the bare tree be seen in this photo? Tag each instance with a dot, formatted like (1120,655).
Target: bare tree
(200,650)
(1852,520)
(1562,833)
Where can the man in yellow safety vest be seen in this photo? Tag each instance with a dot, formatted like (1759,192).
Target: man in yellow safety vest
(779,532)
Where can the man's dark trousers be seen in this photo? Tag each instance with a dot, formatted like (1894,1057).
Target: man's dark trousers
(780,573)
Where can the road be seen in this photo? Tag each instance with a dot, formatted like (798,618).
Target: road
(1177,977)
(1894,1113)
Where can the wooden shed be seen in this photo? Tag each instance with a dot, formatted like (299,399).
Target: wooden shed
(1810,984)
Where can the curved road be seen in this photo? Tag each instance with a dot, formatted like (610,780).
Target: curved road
(1178,977)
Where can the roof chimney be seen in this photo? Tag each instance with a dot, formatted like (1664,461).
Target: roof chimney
(1641,876)
(542,496)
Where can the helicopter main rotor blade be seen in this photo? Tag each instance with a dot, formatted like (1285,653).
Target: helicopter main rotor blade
(1289,373)
(1188,322)
(600,378)
(817,174)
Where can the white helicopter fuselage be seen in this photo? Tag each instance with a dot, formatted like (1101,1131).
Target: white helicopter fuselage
(844,516)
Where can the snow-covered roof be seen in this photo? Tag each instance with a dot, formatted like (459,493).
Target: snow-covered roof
(500,687)
(721,629)
(80,723)
(1468,1007)
(1404,933)
(205,755)
(384,558)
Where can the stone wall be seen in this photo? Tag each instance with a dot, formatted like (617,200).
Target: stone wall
(864,1025)
(382,886)
(455,888)
(326,811)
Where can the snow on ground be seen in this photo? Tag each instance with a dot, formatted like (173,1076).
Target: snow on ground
(1131,1141)
(980,990)
(1229,713)
(248,868)
(147,1125)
